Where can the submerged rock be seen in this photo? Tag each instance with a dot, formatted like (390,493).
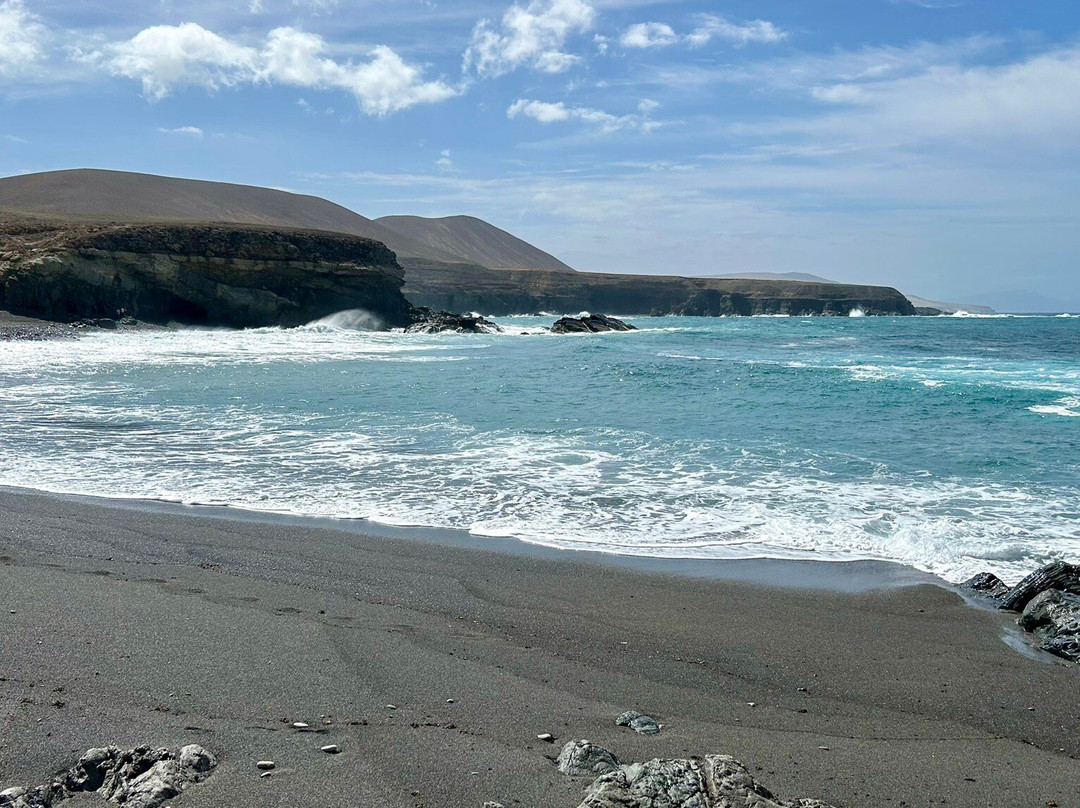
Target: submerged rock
(1059,575)
(583,759)
(1054,617)
(988,585)
(638,723)
(428,321)
(718,781)
(590,324)
(143,777)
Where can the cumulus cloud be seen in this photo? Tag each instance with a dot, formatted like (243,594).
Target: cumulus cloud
(22,38)
(648,35)
(167,57)
(534,35)
(716,27)
(558,112)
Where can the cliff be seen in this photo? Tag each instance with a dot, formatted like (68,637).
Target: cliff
(195,274)
(459,287)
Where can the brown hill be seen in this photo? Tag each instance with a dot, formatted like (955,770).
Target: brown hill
(474,240)
(120,196)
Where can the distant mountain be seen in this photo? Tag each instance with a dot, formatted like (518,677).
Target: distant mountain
(949,308)
(774,276)
(97,195)
(475,240)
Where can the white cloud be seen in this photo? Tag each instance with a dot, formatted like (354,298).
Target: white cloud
(548,113)
(648,35)
(716,27)
(1034,100)
(533,36)
(22,38)
(189,131)
(444,163)
(168,57)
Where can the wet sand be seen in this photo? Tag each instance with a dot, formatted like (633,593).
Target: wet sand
(169,626)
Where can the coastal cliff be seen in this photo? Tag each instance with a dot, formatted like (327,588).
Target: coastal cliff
(212,274)
(470,287)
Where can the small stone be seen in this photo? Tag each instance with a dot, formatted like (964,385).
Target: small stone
(584,759)
(391,706)
(823,748)
(751,704)
(331,749)
(643,724)
(266,765)
(449,701)
(300,725)
(546,736)
(266,774)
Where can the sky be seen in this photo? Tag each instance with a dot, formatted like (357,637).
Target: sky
(931,145)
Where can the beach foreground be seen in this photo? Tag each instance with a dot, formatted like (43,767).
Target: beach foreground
(128,626)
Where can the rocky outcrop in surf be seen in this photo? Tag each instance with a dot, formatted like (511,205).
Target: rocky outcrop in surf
(1048,600)
(589,324)
(427,321)
(219,275)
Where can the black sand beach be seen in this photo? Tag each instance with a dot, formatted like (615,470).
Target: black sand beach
(126,625)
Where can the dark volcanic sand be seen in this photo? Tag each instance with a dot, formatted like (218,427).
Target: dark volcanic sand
(160,628)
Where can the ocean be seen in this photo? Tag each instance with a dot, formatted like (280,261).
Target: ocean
(950,444)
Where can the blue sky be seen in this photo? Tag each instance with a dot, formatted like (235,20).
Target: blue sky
(934,146)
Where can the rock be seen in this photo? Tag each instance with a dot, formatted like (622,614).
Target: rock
(986,584)
(1054,617)
(428,321)
(301,725)
(583,759)
(266,765)
(547,737)
(136,778)
(589,324)
(494,805)
(1058,575)
(331,749)
(718,781)
(638,723)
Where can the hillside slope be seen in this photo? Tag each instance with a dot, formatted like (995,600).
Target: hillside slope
(120,196)
(474,240)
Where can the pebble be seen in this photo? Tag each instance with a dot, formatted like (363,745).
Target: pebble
(11,611)
(266,774)
(301,725)
(751,704)
(391,706)
(266,765)
(546,736)
(823,748)
(449,701)
(331,749)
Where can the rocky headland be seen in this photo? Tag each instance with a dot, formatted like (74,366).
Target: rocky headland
(212,274)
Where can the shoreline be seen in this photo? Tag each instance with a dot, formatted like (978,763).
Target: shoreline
(834,575)
(168,628)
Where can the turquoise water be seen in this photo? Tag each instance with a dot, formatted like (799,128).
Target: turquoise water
(951,444)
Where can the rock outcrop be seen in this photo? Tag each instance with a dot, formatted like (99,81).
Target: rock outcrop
(1054,618)
(136,778)
(221,275)
(589,324)
(427,321)
(987,585)
(1058,575)
(585,759)
(717,781)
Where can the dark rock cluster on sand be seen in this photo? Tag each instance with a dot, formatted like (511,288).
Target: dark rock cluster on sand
(135,778)
(715,781)
(429,321)
(589,324)
(1049,603)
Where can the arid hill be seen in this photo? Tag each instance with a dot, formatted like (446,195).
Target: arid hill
(474,240)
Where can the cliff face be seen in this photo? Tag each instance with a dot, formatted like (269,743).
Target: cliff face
(195,274)
(467,287)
